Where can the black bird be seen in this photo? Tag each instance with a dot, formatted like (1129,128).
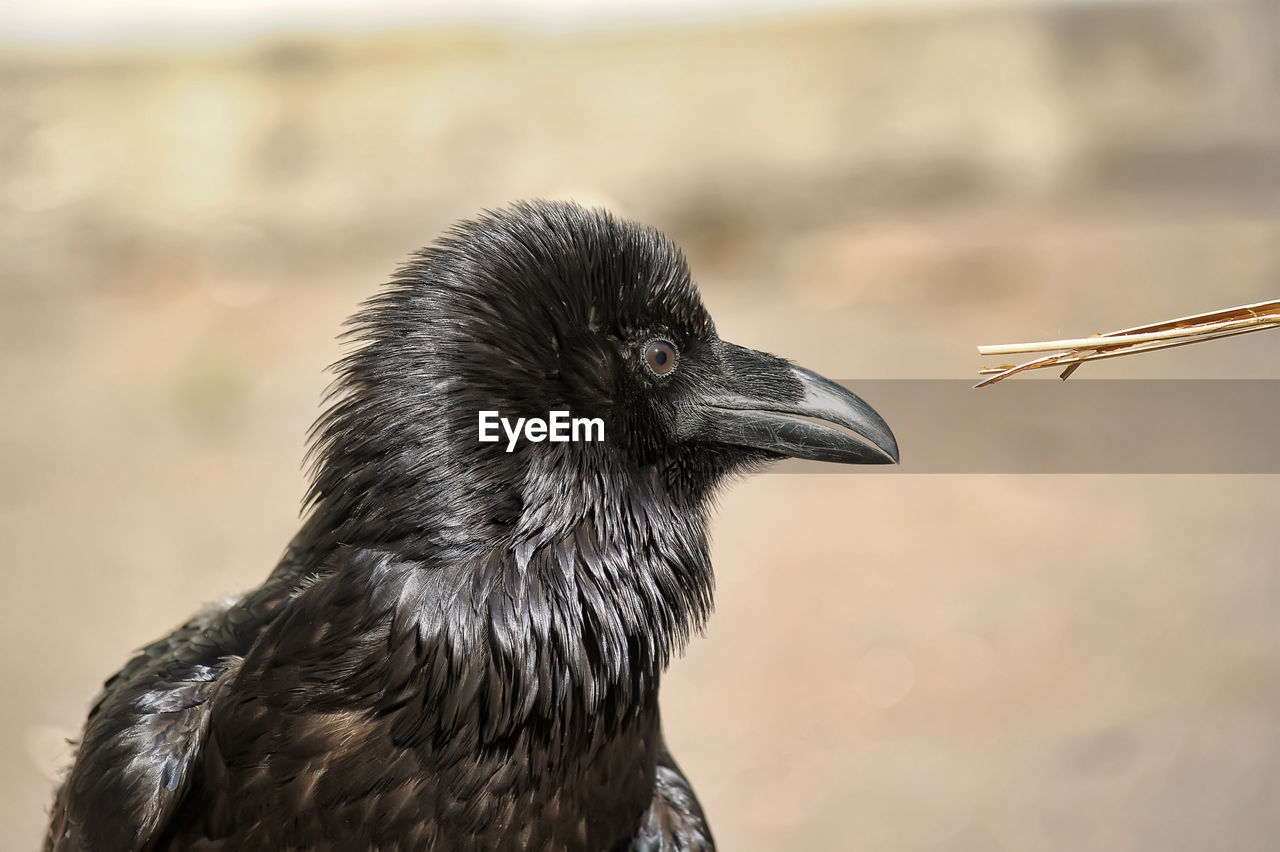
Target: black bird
(461,649)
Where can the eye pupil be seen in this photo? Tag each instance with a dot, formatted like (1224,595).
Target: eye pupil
(660,356)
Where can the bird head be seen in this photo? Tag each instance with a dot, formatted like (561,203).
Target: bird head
(554,579)
(546,307)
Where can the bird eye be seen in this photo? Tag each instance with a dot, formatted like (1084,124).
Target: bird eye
(660,356)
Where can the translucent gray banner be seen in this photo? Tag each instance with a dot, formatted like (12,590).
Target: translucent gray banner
(1077,426)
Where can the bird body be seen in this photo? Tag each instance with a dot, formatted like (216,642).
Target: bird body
(462,647)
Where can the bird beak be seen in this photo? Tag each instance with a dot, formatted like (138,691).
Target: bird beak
(764,403)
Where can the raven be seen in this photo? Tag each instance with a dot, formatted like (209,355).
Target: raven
(461,648)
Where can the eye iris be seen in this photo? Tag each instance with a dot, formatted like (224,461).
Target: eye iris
(660,356)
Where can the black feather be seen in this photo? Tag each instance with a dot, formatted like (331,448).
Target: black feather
(462,647)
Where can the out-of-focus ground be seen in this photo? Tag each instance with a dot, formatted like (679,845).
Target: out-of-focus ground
(898,662)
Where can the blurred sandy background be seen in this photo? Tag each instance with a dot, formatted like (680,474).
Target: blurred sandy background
(898,662)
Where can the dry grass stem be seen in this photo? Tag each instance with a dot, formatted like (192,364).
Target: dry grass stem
(1071,353)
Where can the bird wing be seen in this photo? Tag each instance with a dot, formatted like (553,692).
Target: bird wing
(133,766)
(674,821)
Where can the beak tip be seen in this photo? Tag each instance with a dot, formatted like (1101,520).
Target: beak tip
(888,452)
(892,449)
(843,407)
